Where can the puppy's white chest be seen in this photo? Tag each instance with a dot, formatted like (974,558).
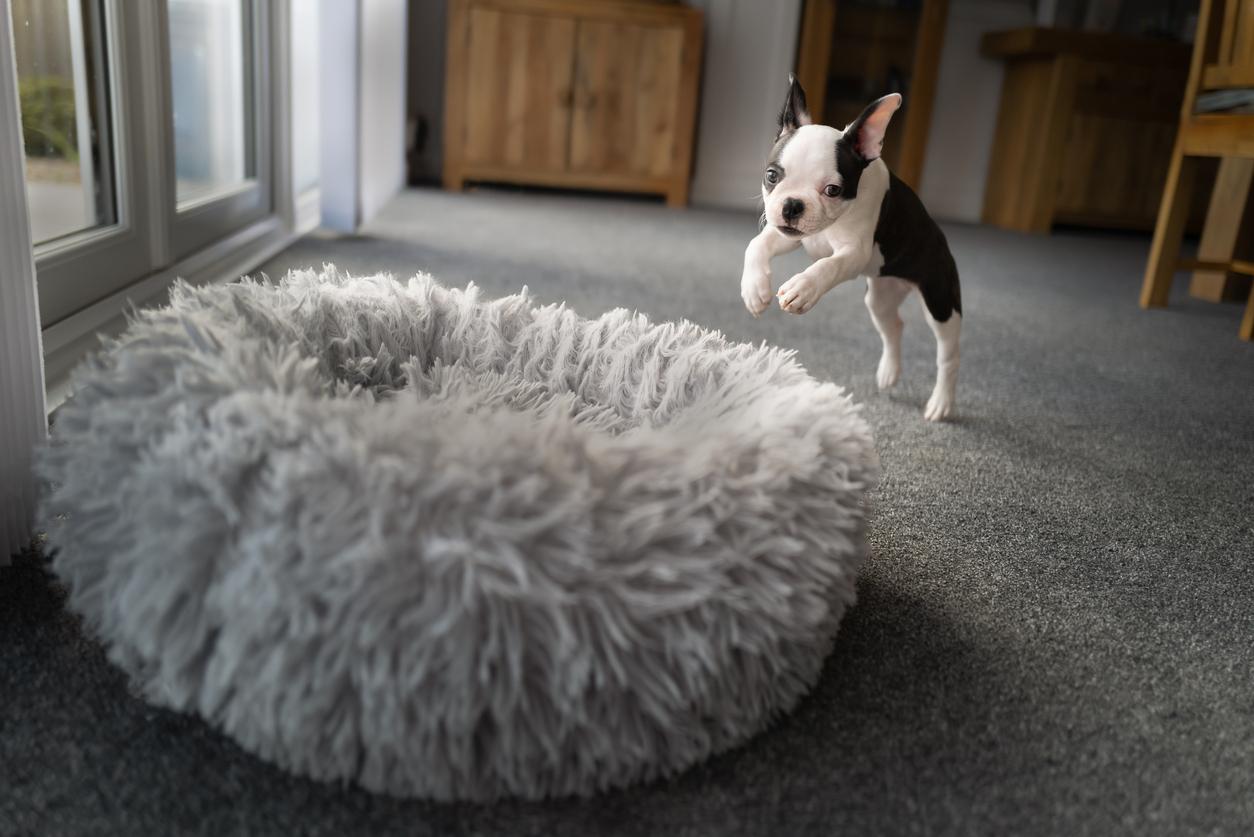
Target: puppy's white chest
(817,246)
(821,246)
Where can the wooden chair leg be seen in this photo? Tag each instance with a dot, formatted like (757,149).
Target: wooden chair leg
(1226,232)
(1169,230)
(1247,322)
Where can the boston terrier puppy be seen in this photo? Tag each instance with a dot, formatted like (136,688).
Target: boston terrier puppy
(828,191)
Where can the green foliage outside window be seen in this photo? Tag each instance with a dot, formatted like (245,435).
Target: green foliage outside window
(48,126)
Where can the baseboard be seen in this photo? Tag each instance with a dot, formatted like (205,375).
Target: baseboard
(67,342)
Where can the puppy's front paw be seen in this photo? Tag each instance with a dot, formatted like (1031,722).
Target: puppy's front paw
(755,290)
(799,294)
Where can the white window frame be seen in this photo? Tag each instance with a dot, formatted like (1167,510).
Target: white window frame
(22,407)
(113,255)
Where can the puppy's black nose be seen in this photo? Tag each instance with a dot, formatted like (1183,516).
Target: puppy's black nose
(793,209)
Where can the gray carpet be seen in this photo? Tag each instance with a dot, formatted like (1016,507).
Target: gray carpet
(1055,631)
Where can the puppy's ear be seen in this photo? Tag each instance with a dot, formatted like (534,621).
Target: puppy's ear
(794,114)
(866,133)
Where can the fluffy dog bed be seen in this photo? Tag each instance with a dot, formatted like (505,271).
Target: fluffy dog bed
(453,548)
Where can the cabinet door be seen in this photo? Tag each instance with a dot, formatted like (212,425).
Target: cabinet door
(627,87)
(518,90)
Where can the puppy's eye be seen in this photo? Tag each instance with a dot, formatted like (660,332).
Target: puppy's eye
(772,176)
(832,191)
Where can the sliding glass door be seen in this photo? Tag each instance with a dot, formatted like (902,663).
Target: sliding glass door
(146,135)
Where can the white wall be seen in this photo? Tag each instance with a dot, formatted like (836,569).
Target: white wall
(750,48)
(964,114)
(382,105)
(362,79)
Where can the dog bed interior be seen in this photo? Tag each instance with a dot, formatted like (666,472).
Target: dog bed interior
(454,548)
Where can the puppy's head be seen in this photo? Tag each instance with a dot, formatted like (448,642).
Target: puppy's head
(812,175)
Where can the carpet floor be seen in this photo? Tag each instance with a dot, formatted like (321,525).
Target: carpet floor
(1055,629)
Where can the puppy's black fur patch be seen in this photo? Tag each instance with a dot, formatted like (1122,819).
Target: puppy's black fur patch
(915,249)
(849,165)
(794,107)
(774,163)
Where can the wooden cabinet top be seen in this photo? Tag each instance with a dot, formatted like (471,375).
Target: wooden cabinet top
(1043,42)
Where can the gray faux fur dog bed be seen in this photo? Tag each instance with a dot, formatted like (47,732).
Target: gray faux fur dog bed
(453,548)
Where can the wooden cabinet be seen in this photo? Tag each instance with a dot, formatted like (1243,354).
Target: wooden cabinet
(1085,129)
(599,95)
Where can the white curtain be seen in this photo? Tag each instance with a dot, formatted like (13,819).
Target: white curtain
(22,414)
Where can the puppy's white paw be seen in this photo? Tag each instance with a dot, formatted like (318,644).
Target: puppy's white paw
(799,294)
(888,372)
(940,406)
(755,291)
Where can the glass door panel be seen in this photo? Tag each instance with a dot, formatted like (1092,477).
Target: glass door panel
(218,91)
(63,88)
(212,86)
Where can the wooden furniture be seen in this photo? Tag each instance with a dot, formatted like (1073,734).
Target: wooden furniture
(1228,234)
(1084,129)
(1223,58)
(597,95)
(851,53)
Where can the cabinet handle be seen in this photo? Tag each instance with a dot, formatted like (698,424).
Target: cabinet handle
(566,98)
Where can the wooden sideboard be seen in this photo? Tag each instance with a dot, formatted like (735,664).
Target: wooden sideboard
(1085,129)
(570,93)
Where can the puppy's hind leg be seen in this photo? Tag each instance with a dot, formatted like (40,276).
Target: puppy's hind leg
(884,295)
(941,404)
